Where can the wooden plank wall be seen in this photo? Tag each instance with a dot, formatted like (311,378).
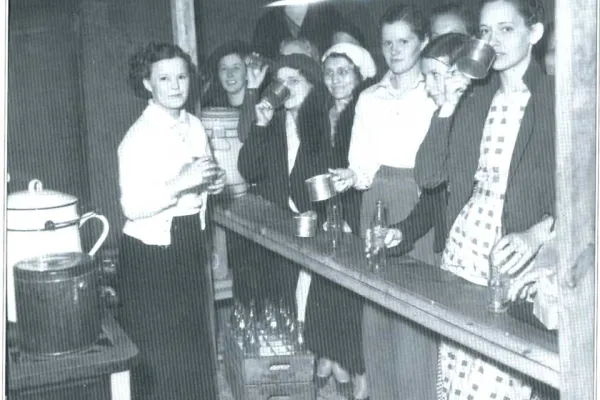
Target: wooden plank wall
(576,95)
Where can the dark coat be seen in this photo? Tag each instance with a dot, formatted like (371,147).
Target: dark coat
(450,153)
(351,200)
(429,212)
(263,161)
(319,25)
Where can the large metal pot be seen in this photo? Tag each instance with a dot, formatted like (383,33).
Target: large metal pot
(57,298)
(43,222)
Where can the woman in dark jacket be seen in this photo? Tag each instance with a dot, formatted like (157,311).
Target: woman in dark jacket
(334,314)
(496,151)
(437,63)
(286,147)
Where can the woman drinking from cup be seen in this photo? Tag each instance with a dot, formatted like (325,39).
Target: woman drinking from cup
(391,119)
(334,314)
(166,172)
(495,150)
(437,64)
(286,146)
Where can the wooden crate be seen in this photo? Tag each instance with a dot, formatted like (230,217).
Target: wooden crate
(263,378)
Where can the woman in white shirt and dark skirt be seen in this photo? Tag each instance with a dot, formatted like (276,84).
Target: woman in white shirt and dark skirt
(165,173)
(391,120)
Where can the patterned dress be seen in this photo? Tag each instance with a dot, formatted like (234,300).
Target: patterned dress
(464,374)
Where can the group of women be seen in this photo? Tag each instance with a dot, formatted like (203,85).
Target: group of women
(466,170)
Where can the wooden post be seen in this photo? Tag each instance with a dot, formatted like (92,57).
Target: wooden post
(576,99)
(184,26)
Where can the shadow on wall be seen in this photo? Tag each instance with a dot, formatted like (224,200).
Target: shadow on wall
(220,21)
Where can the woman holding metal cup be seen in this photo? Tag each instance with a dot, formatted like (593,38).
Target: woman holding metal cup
(495,150)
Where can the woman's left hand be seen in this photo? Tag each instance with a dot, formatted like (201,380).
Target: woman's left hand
(524,284)
(219,183)
(256,75)
(514,250)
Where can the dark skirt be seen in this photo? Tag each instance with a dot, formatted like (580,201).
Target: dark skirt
(166,312)
(260,274)
(333,326)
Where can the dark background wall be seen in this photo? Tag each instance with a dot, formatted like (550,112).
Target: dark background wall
(68,101)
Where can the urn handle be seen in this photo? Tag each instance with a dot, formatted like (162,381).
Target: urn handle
(35,185)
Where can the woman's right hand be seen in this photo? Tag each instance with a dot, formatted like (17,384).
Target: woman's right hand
(393,237)
(455,85)
(264,113)
(343,179)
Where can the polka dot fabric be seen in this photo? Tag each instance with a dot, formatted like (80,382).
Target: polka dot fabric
(476,228)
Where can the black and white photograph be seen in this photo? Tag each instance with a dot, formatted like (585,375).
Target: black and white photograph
(299,199)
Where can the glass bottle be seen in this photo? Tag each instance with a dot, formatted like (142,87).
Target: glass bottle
(497,283)
(335,224)
(376,250)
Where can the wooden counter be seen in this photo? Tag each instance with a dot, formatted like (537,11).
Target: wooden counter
(425,294)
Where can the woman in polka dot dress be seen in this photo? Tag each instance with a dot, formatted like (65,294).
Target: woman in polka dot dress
(495,151)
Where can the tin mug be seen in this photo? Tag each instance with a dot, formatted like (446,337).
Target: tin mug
(276,94)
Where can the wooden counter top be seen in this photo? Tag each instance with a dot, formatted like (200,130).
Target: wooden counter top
(425,294)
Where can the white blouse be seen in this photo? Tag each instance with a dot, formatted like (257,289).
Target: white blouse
(388,128)
(152,153)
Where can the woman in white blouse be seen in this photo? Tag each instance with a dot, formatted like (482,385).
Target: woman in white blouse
(165,173)
(392,118)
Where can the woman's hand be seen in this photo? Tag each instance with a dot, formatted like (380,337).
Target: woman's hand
(343,179)
(455,85)
(515,250)
(218,184)
(196,174)
(264,113)
(393,237)
(256,73)
(524,284)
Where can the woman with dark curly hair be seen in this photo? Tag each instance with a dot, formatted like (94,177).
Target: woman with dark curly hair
(165,173)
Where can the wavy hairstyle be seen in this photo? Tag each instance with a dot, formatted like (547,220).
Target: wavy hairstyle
(140,64)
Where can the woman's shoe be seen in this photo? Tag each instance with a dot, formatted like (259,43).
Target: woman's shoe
(345,389)
(321,381)
(322,372)
(360,388)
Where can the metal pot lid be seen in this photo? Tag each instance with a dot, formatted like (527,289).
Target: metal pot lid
(36,198)
(52,267)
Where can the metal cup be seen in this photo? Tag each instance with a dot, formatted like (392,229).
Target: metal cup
(475,59)
(276,94)
(320,187)
(306,224)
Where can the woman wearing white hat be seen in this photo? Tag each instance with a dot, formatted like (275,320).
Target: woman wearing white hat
(334,314)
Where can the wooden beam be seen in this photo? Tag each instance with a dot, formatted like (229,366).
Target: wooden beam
(576,99)
(184,27)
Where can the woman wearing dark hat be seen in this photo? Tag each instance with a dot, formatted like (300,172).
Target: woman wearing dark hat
(285,147)
(234,82)
(334,314)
